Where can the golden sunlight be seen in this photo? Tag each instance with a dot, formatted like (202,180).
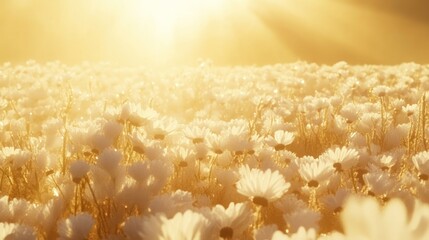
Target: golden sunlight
(174,22)
(214,119)
(229,32)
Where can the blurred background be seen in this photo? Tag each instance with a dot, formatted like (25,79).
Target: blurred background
(229,32)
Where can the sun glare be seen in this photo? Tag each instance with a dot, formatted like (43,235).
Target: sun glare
(169,18)
(214,119)
(169,25)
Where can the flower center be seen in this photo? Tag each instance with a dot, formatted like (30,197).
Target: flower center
(138,149)
(183,164)
(385,168)
(218,151)
(279,147)
(238,153)
(76,180)
(260,201)
(197,140)
(313,183)
(338,210)
(423,177)
(338,167)
(159,136)
(226,233)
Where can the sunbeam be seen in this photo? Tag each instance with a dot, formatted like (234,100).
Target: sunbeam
(180,32)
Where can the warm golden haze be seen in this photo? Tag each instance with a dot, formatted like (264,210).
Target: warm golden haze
(178,32)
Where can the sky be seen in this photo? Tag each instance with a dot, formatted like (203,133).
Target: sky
(228,32)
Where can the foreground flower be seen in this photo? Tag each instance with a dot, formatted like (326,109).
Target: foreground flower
(301,234)
(261,186)
(183,226)
(16,231)
(364,218)
(76,227)
(231,222)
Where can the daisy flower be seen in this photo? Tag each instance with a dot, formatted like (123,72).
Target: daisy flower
(387,161)
(171,203)
(289,203)
(300,234)
(306,218)
(421,162)
(109,160)
(315,172)
(265,232)
(6,230)
(341,158)
(189,225)
(280,140)
(236,142)
(379,183)
(349,112)
(364,218)
(334,202)
(136,115)
(216,143)
(16,231)
(78,170)
(196,134)
(76,227)
(381,90)
(112,129)
(261,186)
(161,128)
(231,222)
(410,109)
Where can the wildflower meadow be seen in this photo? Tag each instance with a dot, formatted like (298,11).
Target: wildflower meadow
(289,151)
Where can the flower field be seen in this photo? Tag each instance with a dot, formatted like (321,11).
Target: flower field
(294,151)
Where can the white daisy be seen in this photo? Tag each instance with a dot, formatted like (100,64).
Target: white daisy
(301,234)
(109,161)
(78,170)
(76,227)
(171,203)
(341,158)
(265,232)
(261,186)
(280,140)
(183,226)
(421,162)
(303,218)
(16,231)
(364,218)
(231,222)
(334,202)
(315,172)
(379,183)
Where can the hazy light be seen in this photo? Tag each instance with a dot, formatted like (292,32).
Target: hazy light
(230,32)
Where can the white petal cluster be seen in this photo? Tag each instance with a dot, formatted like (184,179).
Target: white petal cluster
(257,183)
(286,151)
